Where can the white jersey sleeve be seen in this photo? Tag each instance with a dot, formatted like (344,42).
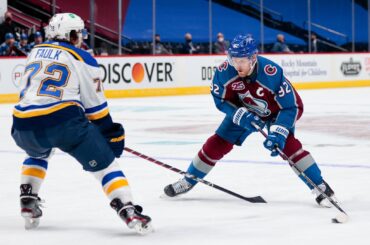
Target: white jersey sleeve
(57,76)
(92,93)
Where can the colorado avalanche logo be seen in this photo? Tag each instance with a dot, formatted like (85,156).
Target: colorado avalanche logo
(258,106)
(238,86)
(270,70)
(223,66)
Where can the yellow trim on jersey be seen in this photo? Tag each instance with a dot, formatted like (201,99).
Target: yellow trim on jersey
(115,185)
(61,47)
(98,115)
(118,139)
(34,172)
(43,111)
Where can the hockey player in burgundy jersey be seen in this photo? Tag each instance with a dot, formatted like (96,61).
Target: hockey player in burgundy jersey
(252,89)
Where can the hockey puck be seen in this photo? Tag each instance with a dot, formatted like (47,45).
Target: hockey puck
(340,218)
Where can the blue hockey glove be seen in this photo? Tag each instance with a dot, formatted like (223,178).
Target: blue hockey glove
(115,137)
(276,138)
(244,119)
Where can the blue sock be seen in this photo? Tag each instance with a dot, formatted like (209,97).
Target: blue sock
(193,171)
(314,173)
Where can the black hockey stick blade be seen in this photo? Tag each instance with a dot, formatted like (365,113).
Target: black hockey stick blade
(256,199)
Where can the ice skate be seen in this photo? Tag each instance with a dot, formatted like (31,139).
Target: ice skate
(30,207)
(320,199)
(177,188)
(131,215)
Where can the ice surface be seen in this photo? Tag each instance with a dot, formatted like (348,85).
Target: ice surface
(335,128)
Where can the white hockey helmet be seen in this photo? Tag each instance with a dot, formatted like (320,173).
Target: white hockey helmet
(61,25)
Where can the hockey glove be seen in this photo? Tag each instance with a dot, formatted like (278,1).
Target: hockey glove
(115,137)
(276,138)
(244,119)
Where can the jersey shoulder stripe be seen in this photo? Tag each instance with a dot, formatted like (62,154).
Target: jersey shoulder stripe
(77,53)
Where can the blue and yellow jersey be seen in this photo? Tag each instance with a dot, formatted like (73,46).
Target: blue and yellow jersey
(60,82)
(6,50)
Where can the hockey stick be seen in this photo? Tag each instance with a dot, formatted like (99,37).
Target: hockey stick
(256,199)
(342,217)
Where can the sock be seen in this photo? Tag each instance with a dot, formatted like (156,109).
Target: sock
(33,173)
(114,183)
(305,163)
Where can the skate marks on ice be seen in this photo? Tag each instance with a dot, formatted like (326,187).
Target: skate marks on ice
(355,127)
(187,129)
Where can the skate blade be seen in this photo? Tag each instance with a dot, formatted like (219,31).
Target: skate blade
(327,204)
(164,196)
(30,223)
(143,230)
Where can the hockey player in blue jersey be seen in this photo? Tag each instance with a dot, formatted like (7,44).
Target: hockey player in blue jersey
(62,105)
(251,89)
(37,39)
(23,44)
(8,48)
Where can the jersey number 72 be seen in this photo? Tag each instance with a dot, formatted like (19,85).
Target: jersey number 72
(49,86)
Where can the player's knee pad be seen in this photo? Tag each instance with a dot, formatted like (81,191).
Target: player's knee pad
(215,148)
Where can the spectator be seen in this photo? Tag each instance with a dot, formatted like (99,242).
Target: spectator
(103,50)
(159,47)
(86,47)
(8,26)
(221,45)
(17,33)
(189,47)
(8,48)
(315,46)
(280,46)
(23,44)
(37,39)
